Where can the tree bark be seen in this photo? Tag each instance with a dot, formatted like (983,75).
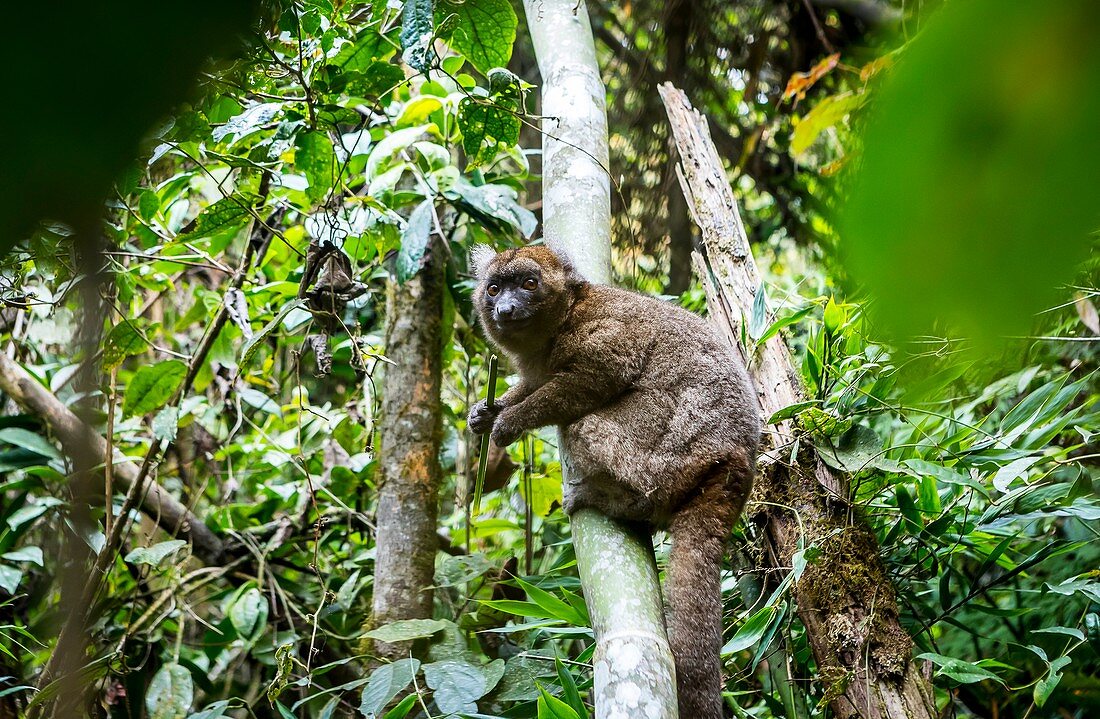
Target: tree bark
(845,598)
(679,17)
(634,674)
(76,438)
(411,431)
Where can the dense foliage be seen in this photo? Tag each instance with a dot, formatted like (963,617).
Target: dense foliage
(226,331)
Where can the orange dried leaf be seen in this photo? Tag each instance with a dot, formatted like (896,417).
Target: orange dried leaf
(800,82)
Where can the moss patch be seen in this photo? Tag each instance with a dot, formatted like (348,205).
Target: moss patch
(849,587)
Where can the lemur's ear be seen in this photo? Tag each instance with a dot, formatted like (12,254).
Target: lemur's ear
(563,256)
(480,257)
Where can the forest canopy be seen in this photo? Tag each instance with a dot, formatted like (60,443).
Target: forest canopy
(239,348)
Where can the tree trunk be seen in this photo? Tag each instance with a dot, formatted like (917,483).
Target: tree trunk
(845,598)
(634,674)
(678,21)
(411,430)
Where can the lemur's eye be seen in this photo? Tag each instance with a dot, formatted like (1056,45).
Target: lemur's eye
(493,290)
(530,284)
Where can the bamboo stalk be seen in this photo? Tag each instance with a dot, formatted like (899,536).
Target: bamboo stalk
(634,671)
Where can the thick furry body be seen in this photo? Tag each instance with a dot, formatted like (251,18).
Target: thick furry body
(658,418)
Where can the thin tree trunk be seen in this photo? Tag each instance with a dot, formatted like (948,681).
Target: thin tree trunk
(634,674)
(411,431)
(679,18)
(845,598)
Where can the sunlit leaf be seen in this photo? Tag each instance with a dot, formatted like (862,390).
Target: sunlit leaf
(483,31)
(152,386)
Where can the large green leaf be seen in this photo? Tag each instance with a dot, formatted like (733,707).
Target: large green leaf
(368,47)
(962,672)
(154,555)
(123,340)
(486,127)
(416,34)
(29,440)
(249,611)
(458,685)
(385,683)
(414,241)
(152,387)
(227,214)
(482,30)
(976,195)
(406,629)
(170,693)
(314,156)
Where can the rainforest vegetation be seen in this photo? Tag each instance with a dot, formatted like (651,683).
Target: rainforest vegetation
(237,351)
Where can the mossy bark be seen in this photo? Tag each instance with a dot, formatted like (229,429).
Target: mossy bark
(411,431)
(845,599)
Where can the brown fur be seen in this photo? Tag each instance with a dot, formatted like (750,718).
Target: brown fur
(657,415)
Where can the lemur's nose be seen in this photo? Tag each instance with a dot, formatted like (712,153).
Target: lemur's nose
(505,309)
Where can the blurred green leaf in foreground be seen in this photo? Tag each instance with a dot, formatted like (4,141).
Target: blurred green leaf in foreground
(976,196)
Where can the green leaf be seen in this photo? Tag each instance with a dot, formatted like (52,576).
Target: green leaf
(154,555)
(493,204)
(368,47)
(170,693)
(259,400)
(165,423)
(152,386)
(10,578)
(774,327)
(228,213)
(959,670)
(148,205)
(1012,471)
(554,607)
(483,30)
(950,221)
(550,707)
(825,114)
(751,632)
(248,613)
(29,440)
(25,554)
(216,710)
(518,680)
(486,128)
(406,629)
(248,351)
(792,410)
(458,685)
(414,241)
(122,341)
(835,316)
(1092,628)
(385,683)
(375,81)
(416,34)
(403,708)
(314,156)
(569,690)
(247,122)
(390,145)
(32,511)
(1049,682)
